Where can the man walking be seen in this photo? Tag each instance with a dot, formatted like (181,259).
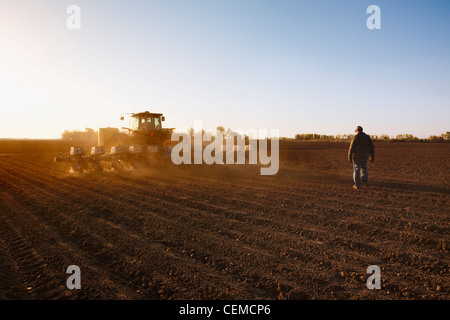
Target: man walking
(360,149)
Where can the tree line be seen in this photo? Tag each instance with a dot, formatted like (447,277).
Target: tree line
(444,137)
(76,135)
(90,134)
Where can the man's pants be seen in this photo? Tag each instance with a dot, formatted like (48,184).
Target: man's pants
(360,171)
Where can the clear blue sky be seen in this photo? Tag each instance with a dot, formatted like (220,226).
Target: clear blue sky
(297,66)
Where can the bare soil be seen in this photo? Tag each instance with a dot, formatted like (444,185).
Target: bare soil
(225,231)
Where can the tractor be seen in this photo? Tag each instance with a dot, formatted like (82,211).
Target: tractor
(143,143)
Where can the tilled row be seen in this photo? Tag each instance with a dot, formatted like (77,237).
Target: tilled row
(180,235)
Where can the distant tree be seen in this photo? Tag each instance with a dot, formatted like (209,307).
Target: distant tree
(88,134)
(191,132)
(230,133)
(436,138)
(221,130)
(314,136)
(406,137)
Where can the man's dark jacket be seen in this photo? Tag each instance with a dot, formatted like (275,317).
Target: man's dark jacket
(361,147)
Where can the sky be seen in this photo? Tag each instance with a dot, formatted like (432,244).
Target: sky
(297,66)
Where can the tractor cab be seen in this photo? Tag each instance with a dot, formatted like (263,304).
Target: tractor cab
(145,128)
(146,122)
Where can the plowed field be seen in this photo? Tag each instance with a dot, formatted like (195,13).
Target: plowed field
(226,232)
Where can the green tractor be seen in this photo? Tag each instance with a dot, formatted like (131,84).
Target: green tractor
(144,142)
(145,128)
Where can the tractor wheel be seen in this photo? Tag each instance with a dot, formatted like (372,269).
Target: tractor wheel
(97,167)
(116,166)
(76,167)
(138,139)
